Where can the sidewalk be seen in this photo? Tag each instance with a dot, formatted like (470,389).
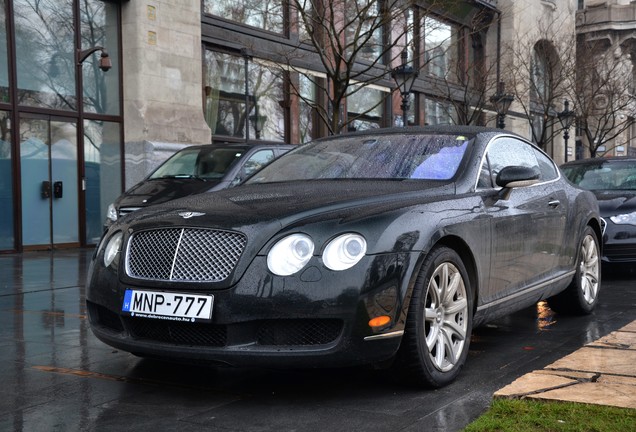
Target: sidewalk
(602,372)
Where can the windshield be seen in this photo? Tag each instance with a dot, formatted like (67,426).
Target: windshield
(614,175)
(422,157)
(206,163)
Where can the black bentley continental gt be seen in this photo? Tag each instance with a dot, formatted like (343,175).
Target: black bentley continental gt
(380,247)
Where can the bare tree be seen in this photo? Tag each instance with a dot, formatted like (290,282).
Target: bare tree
(353,42)
(603,95)
(540,70)
(467,86)
(357,43)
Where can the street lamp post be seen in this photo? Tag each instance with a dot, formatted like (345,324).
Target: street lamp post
(566,117)
(404,77)
(501,101)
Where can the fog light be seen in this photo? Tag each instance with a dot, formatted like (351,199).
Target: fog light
(380,321)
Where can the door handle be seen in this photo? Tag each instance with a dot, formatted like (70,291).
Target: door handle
(554,203)
(45,190)
(58,189)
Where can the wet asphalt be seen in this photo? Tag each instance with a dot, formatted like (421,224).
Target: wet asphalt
(56,376)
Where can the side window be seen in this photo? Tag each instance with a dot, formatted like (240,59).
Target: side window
(546,166)
(256,162)
(485,180)
(504,152)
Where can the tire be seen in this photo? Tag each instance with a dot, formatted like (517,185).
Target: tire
(581,296)
(439,322)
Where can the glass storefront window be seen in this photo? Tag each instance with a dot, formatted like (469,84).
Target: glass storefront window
(225,94)
(267,118)
(306,100)
(366,21)
(226,98)
(4,59)
(102,165)
(439,112)
(6,185)
(266,15)
(45,54)
(440,48)
(398,118)
(365,108)
(98,23)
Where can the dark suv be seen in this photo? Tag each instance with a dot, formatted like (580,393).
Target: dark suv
(194,170)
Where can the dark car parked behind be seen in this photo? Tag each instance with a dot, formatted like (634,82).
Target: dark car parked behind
(613,181)
(194,170)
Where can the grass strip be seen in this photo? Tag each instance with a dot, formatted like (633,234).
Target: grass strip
(512,415)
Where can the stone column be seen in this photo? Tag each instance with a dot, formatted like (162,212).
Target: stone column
(162,101)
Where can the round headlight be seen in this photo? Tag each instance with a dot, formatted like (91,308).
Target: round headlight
(290,254)
(112,248)
(344,251)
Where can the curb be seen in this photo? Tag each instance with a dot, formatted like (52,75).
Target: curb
(603,372)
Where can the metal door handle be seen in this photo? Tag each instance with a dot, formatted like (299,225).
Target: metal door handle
(58,189)
(554,203)
(45,190)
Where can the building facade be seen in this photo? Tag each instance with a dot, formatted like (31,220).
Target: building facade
(74,136)
(607,32)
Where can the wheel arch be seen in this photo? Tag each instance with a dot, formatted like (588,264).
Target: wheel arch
(465,253)
(595,224)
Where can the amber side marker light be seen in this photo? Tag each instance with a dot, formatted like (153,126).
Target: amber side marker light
(380,321)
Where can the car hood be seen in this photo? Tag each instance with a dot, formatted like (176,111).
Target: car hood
(616,202)
(157,191)
(262,211)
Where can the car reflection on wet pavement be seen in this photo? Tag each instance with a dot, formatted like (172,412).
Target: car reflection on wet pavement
(57,376)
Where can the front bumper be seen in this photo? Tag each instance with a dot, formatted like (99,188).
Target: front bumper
(315,318)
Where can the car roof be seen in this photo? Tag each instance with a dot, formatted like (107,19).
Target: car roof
(241,146)
(439,129)
(599,161)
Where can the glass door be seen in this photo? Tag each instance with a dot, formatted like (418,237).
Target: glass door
(49,183)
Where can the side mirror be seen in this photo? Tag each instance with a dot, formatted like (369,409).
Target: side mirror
(515,176)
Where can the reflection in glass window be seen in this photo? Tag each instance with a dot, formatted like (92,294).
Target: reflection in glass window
(103,173)
(365,108)
(98,21)
(365,28)
(225,94)
(266,15)
(4,62)
(45,53)
(439,112)
(306,112)
(6,184)
(225,99)
(267,118)
(403,33)
(440,48)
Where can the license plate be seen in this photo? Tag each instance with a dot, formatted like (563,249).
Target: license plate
(168,306)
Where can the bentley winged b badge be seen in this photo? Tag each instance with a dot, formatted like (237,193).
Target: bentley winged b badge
(188,215)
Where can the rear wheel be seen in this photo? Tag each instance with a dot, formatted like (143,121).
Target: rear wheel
(439,322)
(581,296)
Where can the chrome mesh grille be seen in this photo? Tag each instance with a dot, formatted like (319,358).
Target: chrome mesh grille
(184,254)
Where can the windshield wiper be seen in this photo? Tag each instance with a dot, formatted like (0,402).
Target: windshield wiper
(184,176)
